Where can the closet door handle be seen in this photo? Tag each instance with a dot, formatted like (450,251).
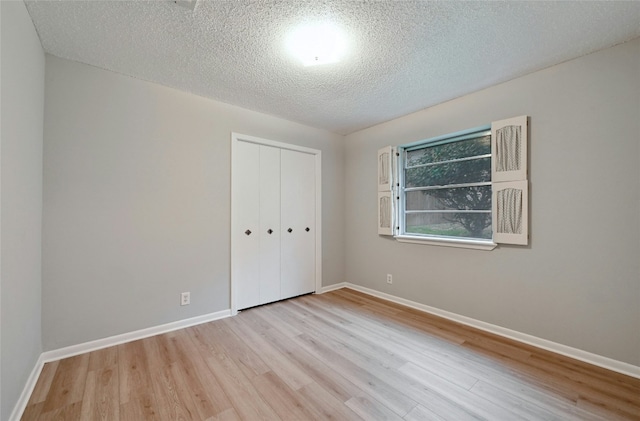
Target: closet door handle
(248,232)
(289,230)
(269,231)
(307,229)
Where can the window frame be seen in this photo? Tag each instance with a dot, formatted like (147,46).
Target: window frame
(402,236)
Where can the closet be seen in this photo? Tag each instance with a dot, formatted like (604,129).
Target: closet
(275,237)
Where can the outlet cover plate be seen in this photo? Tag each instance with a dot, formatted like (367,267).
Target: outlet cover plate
(185,298)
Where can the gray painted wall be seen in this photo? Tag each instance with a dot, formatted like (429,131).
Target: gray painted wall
(23,68)
(578,283)
(137,201)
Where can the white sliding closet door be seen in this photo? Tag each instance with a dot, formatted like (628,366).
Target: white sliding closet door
(298,223)
(269,224)
(275,242)
(246,205)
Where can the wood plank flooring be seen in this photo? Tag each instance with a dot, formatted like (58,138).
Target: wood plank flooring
(338,356)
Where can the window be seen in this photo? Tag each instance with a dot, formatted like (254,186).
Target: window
(445,188)
(467,189)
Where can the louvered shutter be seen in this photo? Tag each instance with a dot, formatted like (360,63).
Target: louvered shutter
(510,198)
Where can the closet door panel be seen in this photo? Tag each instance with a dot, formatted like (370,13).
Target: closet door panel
(298,223)
(246,227)
(269,224)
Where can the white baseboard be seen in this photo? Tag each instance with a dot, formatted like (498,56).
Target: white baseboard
(73,350)
(18,409)
(332,287)
(78,349)
(575,353)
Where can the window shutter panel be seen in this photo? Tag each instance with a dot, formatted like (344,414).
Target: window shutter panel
(386,188)
(385,168)
(385,213)
(510,187)
(509,149)
(510,203)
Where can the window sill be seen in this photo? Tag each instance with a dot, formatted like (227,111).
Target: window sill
(447,242)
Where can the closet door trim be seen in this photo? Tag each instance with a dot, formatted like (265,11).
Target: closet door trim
(235,139)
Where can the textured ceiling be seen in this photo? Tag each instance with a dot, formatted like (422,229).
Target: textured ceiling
(403,56)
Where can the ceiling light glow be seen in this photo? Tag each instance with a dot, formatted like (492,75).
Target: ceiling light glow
(317,44)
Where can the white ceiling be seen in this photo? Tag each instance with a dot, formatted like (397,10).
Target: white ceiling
(404,55)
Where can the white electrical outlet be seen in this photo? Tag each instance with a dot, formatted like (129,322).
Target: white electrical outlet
(389,278)
(185,298)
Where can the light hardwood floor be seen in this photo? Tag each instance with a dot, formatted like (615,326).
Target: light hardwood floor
(341,355)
